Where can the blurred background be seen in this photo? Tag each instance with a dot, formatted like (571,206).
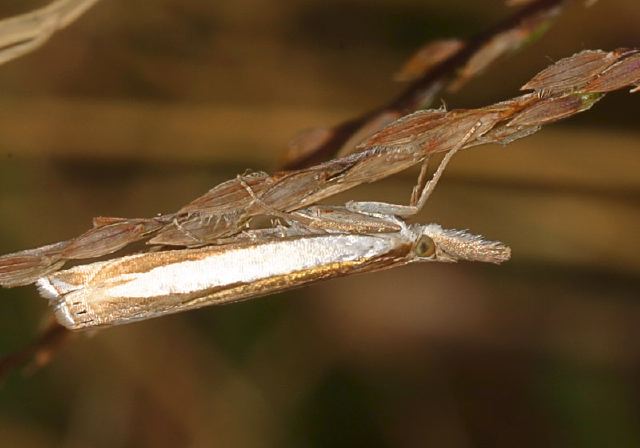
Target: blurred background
(141,106)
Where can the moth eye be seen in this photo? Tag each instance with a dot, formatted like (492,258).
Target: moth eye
(425,247)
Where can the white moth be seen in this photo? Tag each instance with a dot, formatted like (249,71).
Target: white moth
(148,285)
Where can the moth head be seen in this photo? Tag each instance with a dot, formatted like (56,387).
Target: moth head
(438,244)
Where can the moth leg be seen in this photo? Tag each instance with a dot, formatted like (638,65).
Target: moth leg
(307,221)
(419,197)
(420,194)
(422,180)
(185,231)
(256,200)
(296,223)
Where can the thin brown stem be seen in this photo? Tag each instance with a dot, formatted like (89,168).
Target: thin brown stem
(36,354)
(413,97)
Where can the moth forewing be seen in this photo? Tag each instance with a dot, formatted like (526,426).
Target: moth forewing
(146,285)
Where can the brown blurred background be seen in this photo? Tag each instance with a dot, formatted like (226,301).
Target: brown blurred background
(140,106)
